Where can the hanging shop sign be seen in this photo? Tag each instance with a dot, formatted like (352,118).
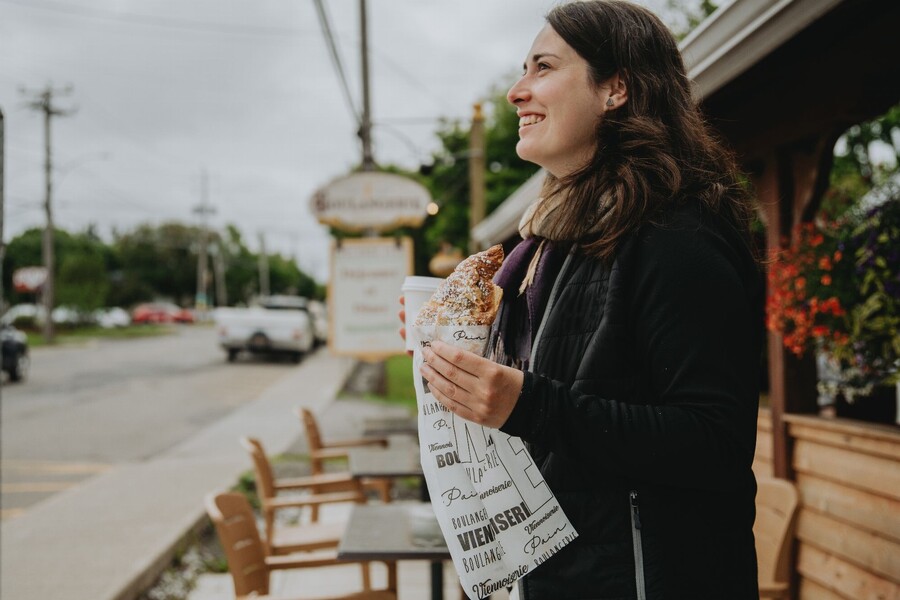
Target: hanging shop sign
(29,279)
(371,201)
(366,277)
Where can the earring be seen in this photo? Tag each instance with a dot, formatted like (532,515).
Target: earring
(609,102)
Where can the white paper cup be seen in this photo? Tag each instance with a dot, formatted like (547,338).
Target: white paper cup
(416,292)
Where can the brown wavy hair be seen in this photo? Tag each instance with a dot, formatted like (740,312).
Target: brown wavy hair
(654,150)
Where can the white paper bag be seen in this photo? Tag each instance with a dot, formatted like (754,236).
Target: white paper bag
(498,516)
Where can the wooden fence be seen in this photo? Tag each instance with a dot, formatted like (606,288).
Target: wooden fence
(848,528)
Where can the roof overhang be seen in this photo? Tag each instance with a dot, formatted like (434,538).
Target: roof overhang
(740,34)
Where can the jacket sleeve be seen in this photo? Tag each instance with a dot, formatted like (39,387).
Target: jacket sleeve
(692,420)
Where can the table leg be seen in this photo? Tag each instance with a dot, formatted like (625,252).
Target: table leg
(437,580)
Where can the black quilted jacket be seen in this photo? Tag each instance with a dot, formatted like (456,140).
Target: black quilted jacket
(641,409)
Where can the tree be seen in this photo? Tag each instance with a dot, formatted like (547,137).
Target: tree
(242,266)
(83,281)
(73,253)
(854,171)
(158,261)
(447,177)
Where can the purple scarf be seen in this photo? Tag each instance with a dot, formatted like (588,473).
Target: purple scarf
(520,315)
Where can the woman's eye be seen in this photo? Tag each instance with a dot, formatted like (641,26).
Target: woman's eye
(542,66)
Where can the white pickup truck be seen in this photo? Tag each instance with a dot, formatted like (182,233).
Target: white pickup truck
(274,325)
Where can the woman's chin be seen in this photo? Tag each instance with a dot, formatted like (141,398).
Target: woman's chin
(525,151)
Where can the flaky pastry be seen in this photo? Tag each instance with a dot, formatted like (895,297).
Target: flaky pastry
(468,296)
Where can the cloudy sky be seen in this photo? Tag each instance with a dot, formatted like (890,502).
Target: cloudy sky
(244,89)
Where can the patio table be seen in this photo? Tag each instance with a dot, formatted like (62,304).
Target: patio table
(385,532)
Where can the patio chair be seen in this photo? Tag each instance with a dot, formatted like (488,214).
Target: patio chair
(776,512)
(326,489)
(249,565)
(320,451)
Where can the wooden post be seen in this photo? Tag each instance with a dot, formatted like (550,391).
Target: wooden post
(789,184)
(476,173)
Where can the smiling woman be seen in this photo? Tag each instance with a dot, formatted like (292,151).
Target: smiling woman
(627,340)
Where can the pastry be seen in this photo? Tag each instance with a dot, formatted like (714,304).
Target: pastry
(468,297)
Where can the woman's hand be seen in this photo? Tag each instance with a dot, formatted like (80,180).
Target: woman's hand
(475,388)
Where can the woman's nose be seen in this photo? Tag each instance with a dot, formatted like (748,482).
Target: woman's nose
(517,93)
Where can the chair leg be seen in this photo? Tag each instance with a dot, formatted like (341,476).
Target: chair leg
(392,576)
(366,576)
(385,491)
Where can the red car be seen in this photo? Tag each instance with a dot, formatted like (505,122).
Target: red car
(161,312)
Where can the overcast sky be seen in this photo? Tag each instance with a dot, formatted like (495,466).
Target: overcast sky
(242,88)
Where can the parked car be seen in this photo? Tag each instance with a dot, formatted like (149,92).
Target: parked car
(319,314)
(277,325)
(110,318)
(161,312)
(31,315)
(14,352)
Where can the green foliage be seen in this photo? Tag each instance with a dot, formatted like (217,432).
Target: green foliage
(854,173)
(146,263)
(158,258)
(860,137)
(447,178)
(693,14)
(246,485)
(286,278)
(242,272)
(399,388)
(82,282)
(875,318)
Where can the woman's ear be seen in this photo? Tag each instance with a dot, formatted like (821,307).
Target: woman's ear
(618,91)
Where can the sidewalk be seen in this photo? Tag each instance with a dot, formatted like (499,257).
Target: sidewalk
(108,538)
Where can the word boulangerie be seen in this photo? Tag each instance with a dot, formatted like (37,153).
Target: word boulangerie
(498,516)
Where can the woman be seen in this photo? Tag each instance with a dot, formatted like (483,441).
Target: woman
(629,333)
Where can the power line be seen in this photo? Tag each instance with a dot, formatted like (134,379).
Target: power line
(336,60)
(156,21)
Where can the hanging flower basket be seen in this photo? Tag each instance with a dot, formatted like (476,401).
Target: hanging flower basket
(836,290)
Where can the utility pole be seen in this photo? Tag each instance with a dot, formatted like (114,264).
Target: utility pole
(204,209)
(476,172)
(263,266)
(365,130)
(43,101)
(219,266)
(2,204)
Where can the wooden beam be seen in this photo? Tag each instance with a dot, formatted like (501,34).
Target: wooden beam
(790,182)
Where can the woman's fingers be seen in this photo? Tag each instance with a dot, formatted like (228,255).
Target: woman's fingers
(473,387)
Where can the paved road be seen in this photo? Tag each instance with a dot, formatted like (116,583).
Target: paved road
(86,407)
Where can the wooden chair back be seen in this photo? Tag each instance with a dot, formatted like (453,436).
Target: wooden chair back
(265,479)
(776,511)
(313,438)
(234,522)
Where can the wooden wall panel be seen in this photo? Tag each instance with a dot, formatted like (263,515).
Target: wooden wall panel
(848,530)
(875,442)
(865,550)
(862,471)
(843,577)
(810,590)
(868,511)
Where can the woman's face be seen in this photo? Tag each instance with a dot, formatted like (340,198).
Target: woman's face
(558,106)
